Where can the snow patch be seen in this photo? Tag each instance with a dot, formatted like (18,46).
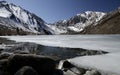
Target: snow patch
(72,28)
(108,63)
(4,12)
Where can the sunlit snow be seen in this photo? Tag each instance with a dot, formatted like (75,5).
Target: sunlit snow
(4,12)
(110,43)
(108,64)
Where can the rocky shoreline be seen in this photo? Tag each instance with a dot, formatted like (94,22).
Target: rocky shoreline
(22,64)
(30,64)
(33,59)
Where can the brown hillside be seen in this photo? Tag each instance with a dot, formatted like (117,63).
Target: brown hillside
(108,25)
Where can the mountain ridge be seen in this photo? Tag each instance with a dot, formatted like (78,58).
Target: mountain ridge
(110,24)
(15,20)
(77,23)
(22,19)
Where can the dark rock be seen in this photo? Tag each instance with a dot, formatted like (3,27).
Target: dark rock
(26,70)
(42,65)
(1,49)
(68,66)
(2,72)
(20,52)
(58,72)
(3,64)
(4,56)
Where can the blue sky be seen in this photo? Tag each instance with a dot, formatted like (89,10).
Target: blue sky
(54,10)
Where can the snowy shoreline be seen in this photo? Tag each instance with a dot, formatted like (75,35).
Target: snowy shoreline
(107,64)
(109,43)
(52,51)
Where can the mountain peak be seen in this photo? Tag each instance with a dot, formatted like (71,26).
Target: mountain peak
(21,19)
(89,12)
(77,23)
(3,3)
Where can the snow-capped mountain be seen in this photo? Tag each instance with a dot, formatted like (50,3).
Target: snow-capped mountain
(77,23)
(15,18)
(109,24)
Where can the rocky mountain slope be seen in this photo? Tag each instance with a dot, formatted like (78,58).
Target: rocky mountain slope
(15,20)
(77,23)
(110,24)
(90,23)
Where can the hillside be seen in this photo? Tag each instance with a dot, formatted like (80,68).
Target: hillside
(110,24)
(90,23)
(76,24)
(16,20)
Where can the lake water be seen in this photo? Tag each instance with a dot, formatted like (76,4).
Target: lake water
(109,43)
(62,47)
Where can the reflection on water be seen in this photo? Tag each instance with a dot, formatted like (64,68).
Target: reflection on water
(54,52)
(109,43)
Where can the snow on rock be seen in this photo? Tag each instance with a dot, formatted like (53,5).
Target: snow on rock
(2,46)
(72,28)
(60,64)
(78,22)
(69,73)
(4,12)
(57,30)
(30,22)
(5,46)
(92,72)
(21,19)
(106,64)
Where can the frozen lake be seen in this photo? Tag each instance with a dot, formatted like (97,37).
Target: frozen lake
(105,63)
(110,43)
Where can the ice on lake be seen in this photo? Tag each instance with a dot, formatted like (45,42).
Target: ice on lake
(104,63)
(110,43)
